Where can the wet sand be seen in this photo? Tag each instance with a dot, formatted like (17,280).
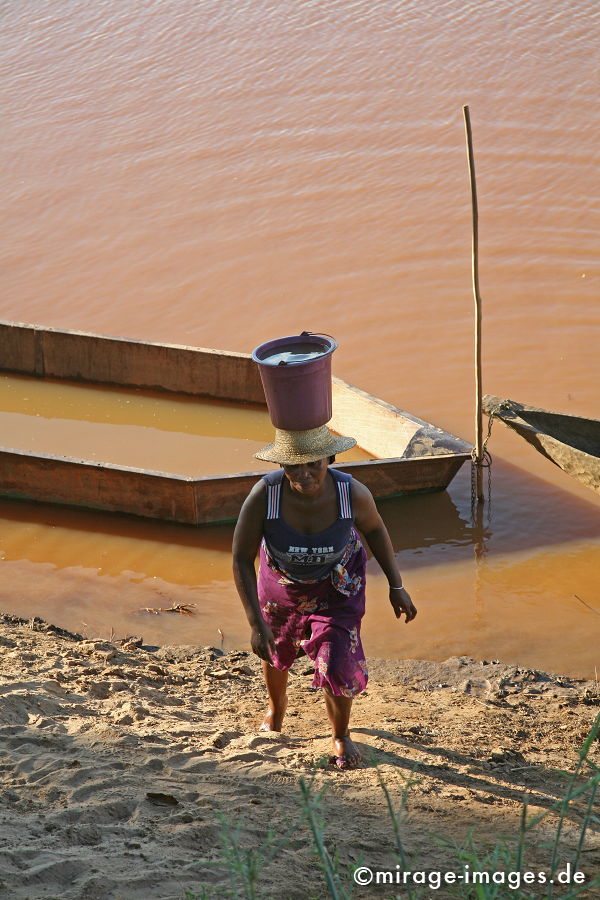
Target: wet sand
(117,760)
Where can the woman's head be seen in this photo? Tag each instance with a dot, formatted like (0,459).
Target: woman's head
(307,478)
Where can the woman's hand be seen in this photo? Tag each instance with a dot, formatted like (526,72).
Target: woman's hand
(400,600)
(262,642)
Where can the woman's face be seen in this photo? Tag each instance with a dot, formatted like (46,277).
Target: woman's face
(307,478)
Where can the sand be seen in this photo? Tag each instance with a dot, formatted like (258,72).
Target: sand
(118,761)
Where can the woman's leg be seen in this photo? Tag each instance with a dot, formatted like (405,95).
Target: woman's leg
(276,683)
(340,670)
(338,711)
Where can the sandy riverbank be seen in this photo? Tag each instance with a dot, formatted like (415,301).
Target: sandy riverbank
(90,730)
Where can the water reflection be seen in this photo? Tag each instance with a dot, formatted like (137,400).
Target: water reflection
(525,513)
(110,543)
(426,522)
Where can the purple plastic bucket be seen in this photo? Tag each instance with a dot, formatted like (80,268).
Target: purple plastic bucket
(296,377)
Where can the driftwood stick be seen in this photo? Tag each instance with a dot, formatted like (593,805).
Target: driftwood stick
(593,609)
(477,297)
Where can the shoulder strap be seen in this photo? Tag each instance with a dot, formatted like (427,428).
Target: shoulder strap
(344,489)
(273,480)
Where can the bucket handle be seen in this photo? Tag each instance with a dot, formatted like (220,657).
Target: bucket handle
(319,334)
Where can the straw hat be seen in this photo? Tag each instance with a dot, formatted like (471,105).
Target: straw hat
(291,448)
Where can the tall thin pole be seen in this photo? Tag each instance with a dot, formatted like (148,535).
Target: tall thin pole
(475,270)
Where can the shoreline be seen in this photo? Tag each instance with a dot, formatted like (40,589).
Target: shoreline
(118,759)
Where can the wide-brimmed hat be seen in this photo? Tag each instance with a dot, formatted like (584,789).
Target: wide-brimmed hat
(291,448)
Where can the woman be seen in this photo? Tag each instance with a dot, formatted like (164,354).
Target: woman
(310,592)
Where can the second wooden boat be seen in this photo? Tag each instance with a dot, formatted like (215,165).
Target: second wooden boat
(570,442)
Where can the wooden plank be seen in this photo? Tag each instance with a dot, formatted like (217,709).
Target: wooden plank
(220,499)
(18,348)
(48,479)
(391,477)
(383,430)
(378,427)
(81,356)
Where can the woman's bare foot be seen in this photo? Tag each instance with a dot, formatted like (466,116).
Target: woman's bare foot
(273,719)
(347,755)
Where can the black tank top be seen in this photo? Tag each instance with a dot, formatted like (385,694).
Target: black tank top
(307,557)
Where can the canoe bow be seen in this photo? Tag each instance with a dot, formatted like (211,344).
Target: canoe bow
(571,442)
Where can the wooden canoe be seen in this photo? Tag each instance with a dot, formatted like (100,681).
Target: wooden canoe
(570,442)
(407,453)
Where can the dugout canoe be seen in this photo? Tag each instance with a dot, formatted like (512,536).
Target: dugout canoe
(408,454)
(570,442)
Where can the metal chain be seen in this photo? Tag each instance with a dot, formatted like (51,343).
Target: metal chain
(485,463)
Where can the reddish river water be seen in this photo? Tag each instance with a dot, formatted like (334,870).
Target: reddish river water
(217,174)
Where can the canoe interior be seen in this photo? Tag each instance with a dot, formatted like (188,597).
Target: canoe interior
(409,454)
(582,434)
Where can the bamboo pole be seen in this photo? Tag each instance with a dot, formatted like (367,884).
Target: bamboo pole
(477,297)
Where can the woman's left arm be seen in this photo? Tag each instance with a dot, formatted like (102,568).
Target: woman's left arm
(370,523)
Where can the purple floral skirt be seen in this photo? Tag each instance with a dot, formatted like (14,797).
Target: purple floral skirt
(321,618)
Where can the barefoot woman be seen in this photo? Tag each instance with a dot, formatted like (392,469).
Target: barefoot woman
(310,592)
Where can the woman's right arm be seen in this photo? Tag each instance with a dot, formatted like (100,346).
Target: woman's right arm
(246,542)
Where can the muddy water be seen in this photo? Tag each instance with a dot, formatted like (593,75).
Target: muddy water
(175,434)
(219,174)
